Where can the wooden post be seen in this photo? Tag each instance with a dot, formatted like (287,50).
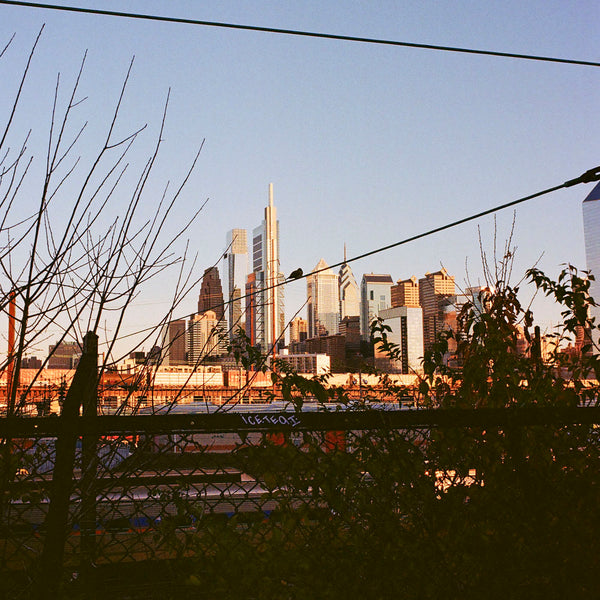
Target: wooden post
(84,385)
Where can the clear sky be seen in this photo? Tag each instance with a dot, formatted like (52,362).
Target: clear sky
(365,145)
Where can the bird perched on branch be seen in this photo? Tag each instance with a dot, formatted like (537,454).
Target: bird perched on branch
(296,274)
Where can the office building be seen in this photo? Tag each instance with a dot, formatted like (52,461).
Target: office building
(211,293)
(322,288)
(205,337)
(406,334)
(64,355)
(250,302)
(434,288)
(406,292)
(269,316)
(298,330)
(591,234)
(349,293)
(174,346)
(375,296)
(235,275)
(350,329)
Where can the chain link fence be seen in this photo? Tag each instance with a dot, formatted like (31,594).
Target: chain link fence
(296,505)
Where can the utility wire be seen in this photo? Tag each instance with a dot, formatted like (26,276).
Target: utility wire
(587,177)
(299,33)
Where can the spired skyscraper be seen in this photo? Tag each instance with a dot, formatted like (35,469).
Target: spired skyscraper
(211,293)
(349,293)
(591,234)
(323,301)
(236,272)
(268,307)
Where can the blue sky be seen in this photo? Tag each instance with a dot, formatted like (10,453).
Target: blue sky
(365,145)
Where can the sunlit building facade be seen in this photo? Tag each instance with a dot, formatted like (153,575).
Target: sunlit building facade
(235,276)
(406,334)
(349,292)
(375,296)
(269,315)
(322,288)
(591,233)
(434,289)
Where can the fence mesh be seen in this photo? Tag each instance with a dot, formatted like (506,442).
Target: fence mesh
(295,513)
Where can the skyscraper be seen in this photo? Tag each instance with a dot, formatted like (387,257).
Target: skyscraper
(349,294)
(236,272)
(375,296)
(211,293)
(433,289)
(591,235)
(269,308)
(406,324)
(204,337)
(298,330)
(174,343)
(406,292)
(323,301)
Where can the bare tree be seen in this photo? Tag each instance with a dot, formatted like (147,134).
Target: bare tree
(79,258)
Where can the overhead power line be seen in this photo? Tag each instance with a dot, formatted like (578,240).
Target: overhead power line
(299,33)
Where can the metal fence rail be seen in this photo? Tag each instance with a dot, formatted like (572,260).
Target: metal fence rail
(295,504)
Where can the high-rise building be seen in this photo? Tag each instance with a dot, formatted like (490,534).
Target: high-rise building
(591,234)
(349,294)
(322,287)
(406,292)
(269,321)
(251,299)
(434,288)
(174,343)
(375,296)
(236,272)
(211,293)
(406,333)
(205,337)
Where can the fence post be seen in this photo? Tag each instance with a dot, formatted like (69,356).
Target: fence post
(84,385)
(89,472)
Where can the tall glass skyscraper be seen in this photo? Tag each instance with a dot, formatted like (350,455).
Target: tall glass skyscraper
(591,234)
(236,272)
(375,296)
(323,301)
(269,307)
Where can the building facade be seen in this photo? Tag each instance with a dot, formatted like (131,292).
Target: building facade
(298,330)
(205,337)
(349,292)
(211,293)
(235,276)
(375,296)
(322,288)
(434,288)
(269,315)
(174,343)
(406,292)
(591,234)
(64,355)
(406,333)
